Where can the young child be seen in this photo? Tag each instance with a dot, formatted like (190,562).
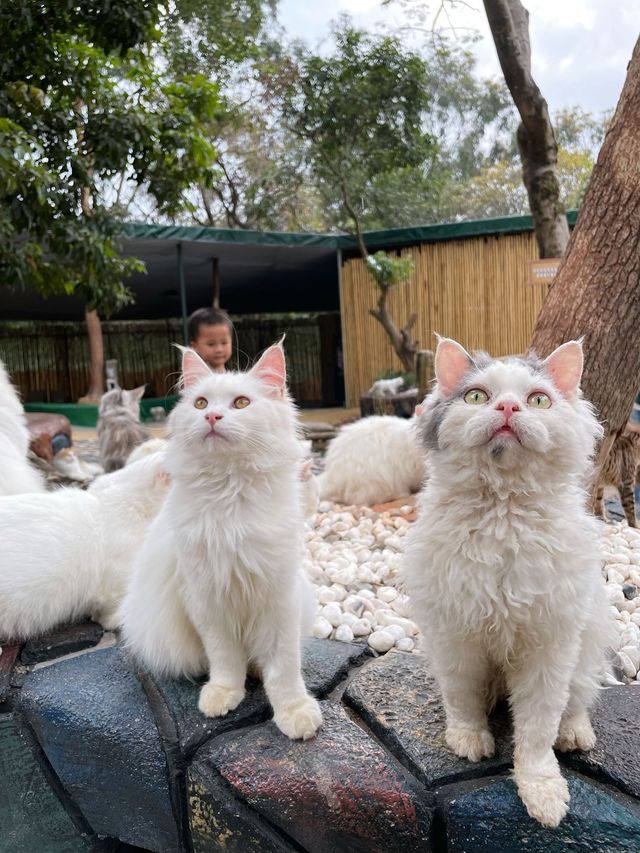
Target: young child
(210,335)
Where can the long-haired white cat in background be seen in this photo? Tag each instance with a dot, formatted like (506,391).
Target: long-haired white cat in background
(68,553)
(373,460)
(218,584)
(503,564)
(16,474)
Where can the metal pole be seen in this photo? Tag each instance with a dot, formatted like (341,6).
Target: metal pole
(215,269)
(183,295)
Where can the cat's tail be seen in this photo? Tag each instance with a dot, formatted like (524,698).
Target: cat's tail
(155,625)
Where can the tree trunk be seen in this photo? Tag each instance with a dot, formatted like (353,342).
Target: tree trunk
(92,319)
(96,349)
(596,292)
(509,23)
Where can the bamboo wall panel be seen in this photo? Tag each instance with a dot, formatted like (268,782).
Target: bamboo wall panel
(474,290)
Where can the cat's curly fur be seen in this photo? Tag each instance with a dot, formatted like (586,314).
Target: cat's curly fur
(503,565)
(217,584)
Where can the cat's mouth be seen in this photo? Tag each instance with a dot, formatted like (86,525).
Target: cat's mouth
(505,431)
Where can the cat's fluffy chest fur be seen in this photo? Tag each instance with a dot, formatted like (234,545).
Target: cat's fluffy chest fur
(217,584)
(503,563)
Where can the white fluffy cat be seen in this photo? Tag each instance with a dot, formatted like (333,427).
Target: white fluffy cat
(16,474)
(373,460)
(218,584)
(503,563)
(68,553)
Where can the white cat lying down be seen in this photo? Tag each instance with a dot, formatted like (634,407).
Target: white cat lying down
(373,460)
(68,553)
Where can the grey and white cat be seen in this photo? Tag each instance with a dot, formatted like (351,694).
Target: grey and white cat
(217,584)
(119,427)
(503,563)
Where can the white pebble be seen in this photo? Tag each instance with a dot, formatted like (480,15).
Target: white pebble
(626,663)
(615,594)
(321,628)
(396,632)
(387,594)
(633,653)
(332,613)
(614,576)
(382,641)
(405,644)
(361,628)
(344,634)
(325,594)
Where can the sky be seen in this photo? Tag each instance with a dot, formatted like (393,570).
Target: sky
(580,48)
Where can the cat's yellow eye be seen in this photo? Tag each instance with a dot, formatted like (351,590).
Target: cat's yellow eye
(538,400)
(201,403)
(476,396)
(241,402)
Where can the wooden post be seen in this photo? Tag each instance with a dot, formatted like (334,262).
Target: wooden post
(183,294)
(424,372)
(215,269)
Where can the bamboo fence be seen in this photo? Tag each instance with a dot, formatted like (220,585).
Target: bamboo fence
(473,289)
(49,362)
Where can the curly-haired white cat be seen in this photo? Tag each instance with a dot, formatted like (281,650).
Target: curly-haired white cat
(503,565)
(217,584)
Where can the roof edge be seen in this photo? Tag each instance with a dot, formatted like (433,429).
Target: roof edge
(391,237)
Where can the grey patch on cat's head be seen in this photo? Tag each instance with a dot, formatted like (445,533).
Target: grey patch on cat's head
(111,400)
(431,421)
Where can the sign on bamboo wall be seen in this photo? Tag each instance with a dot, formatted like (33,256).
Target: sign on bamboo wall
(474,290)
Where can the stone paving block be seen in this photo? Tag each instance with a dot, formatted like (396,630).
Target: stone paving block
(218,820)
(398,699)
(337,793)
(493,818)
(32,818)
(61,641)
(324,664)
(616,756)
(92,719)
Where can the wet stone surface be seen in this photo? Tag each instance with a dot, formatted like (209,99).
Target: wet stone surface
(410,720)
(616,755)
(338,792)
(493,819)
(61,641)
(32,818)
(324,664)
(133,759)
(92,719)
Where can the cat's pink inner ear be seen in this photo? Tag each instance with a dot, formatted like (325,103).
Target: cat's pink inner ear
(452,361)
(271,370)
(193,368)
(564,366)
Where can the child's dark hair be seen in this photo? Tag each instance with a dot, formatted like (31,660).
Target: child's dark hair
(207,317)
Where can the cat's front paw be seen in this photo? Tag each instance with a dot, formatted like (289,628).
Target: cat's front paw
(546,797)
(473,744)
(216,701)
(300,720)
(576,733)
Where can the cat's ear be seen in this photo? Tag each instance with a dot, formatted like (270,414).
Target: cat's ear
(451,363)
(271,370)
(564,366)
(193,368)
(136,394)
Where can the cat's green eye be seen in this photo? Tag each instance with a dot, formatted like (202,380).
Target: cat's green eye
(201,403)
(538,400)
(241,402)
(476,396)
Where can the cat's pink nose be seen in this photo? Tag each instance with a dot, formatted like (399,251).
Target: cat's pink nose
(212,417)
(508,407)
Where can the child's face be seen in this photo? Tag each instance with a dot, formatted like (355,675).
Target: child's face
(213,344)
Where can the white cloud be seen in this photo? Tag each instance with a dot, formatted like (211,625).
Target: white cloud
(580,48)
